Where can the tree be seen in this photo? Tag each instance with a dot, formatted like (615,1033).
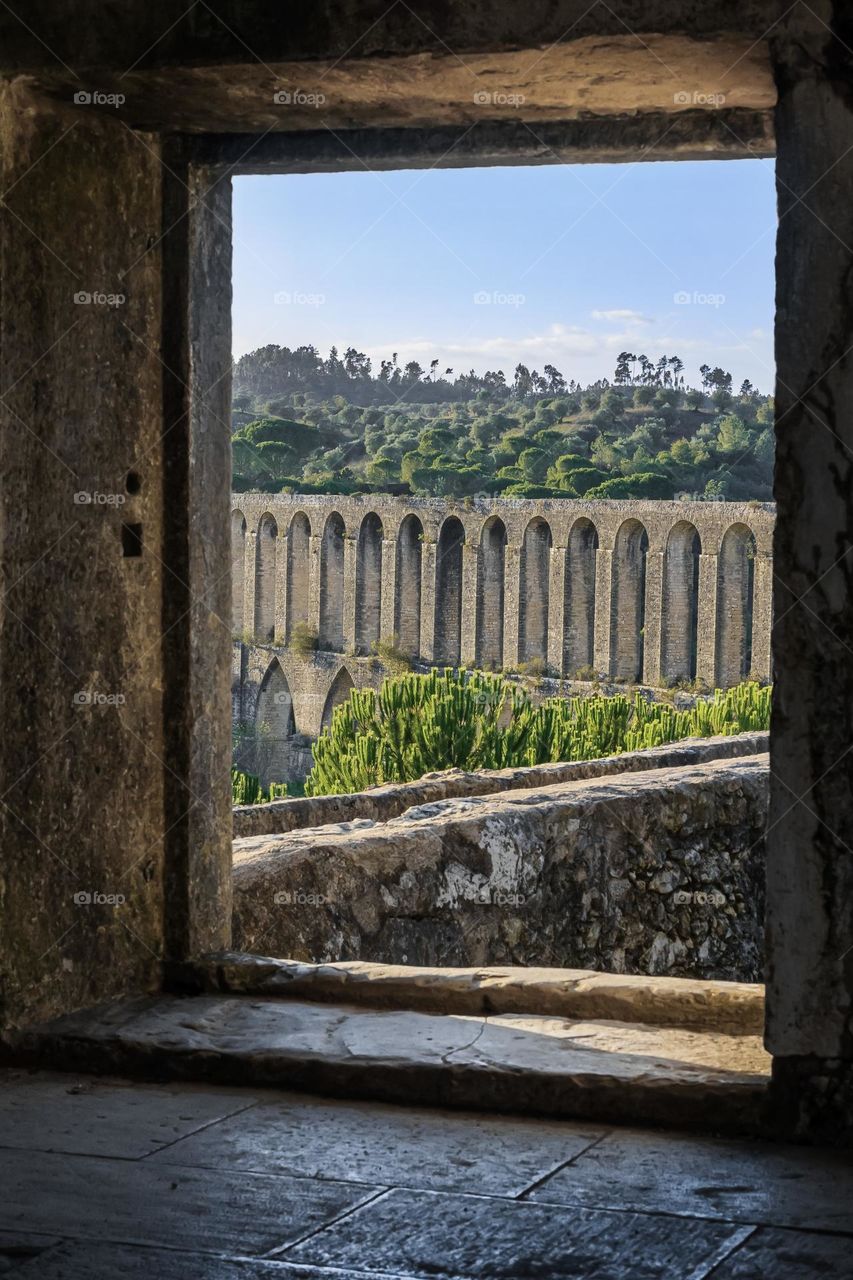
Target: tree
(521,383)
(649,485)
(732,434)
(582,479)
(681,452)
(534,463)
(613,402)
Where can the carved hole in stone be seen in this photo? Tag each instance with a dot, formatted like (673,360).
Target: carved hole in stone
(131,539)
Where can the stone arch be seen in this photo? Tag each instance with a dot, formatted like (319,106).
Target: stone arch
(340,689)
(628,601)
(579,596)
(491,573)
(448,592)
(332,583)
(265,578)
(407,589)
(368,583)
(274,725)
(680,603)
(533,596)
(298,573)
(735,593)
(238,571)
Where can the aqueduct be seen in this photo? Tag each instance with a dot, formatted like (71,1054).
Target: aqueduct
(651,592)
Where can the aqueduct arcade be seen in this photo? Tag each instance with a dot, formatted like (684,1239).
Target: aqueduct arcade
(651,592)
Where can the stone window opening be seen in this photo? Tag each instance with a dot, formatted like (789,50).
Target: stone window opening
(179,212)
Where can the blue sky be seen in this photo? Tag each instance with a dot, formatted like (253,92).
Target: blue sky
(483,268)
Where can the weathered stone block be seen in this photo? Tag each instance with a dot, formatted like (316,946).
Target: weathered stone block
(659,872)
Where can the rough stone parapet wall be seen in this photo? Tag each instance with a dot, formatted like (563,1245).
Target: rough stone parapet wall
(660,872)
(380,804)
(643,591)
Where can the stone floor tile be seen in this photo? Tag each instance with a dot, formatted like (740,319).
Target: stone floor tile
(429,1235)
(376,1143)
(16,1247)
(88,1116)
(82,1260)
(757,1182)
(138,1202)
(789,1255)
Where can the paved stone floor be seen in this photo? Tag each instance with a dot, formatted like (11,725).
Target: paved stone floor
(110,1180)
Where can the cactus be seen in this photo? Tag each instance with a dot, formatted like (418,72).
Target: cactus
(246,789)
(478,720)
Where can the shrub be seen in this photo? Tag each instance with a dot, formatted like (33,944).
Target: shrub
(645,484)
(473,720)
(391,656)
(303,639)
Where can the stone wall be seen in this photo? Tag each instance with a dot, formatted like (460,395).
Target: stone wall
(382,803)
(659,872)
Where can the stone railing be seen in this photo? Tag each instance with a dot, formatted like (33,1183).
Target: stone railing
(658,872)
(379,804)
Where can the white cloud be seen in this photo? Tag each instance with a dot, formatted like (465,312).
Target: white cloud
(576,351)
(622,315)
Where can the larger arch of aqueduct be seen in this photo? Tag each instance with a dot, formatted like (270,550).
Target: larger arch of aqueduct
(650,592)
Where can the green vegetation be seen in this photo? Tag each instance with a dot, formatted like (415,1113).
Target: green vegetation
(303,640)
(392,657)
(303,424)
(247,789)
(475,720)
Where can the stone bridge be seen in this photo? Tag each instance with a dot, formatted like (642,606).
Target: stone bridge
(651,592)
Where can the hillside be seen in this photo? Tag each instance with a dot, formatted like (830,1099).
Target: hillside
(639,437)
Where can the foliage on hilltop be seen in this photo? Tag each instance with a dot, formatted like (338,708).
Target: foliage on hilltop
(311,426)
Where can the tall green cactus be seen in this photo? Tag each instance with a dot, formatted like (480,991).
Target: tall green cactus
(477,720)
(246,789)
